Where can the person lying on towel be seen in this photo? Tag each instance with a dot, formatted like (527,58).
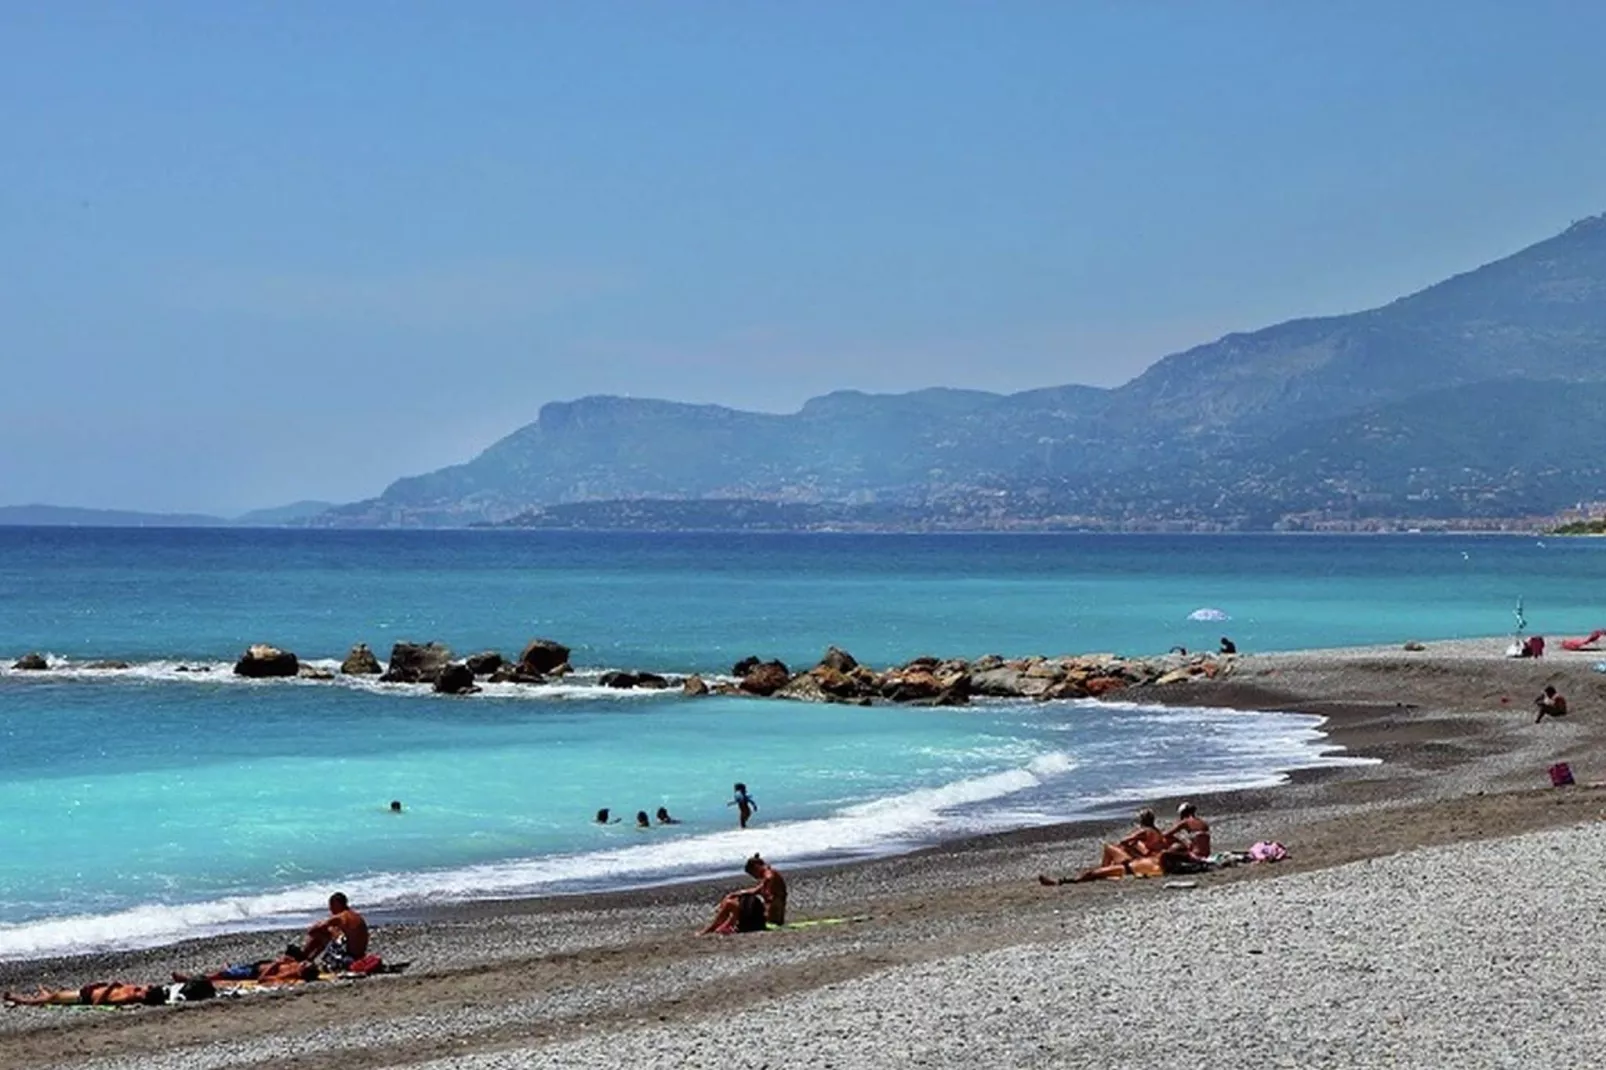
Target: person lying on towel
(285,969)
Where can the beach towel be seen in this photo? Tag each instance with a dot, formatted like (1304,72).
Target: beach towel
(1267,851)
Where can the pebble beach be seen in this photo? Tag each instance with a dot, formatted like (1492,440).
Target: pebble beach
(1438,908)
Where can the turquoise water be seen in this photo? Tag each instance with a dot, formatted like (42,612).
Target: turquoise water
(161,803)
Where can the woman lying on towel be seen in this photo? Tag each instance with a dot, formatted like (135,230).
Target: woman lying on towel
(94,994)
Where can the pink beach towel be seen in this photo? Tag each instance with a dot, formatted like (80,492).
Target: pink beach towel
(1268,851)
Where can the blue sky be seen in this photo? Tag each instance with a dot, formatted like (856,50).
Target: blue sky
(257,252)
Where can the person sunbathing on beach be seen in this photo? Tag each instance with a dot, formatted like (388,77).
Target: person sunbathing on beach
(1146,852)
(94,994)
(1191,832)
(282,970)
(750,909)
(1550,703)
(342,937)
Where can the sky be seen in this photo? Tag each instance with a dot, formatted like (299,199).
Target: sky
(260,252)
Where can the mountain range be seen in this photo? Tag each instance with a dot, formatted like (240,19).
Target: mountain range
(1481,396)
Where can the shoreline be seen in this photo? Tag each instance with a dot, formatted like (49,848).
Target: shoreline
(1324,756)
(1457,766)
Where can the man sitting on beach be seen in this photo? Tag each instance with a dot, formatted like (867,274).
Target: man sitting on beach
(1550,702)
(342,937)
(1191,832)
(736,911)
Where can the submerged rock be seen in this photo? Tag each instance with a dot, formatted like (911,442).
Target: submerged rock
(412,663)
(31,663)
(263,660)
(694,685)
(108,665)
(484,663)
(619,680)
(510,674)
(313,672)
(360,661)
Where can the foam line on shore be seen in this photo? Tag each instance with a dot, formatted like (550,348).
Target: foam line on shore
(1019,797)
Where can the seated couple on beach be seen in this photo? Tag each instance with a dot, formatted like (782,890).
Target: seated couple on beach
(752,909)
(1148,852)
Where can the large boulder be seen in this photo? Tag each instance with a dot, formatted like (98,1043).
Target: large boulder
(621,680)
(695,686)
(415,663)
(746,665)
(839,684)
(455,679)
(804,687)
(31,663)
(544,657)
(263,660)
(360,661)
(1010,682)
(838,659)
(911,685)
(766,679)
(484,663)
(652,681)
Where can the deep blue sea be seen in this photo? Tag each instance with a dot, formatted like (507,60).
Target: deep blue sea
(143,805)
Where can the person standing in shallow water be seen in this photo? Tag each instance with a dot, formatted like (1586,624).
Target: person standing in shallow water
(745,806)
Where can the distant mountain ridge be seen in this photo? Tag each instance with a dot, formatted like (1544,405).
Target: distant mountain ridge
(57,516)
(1408,407)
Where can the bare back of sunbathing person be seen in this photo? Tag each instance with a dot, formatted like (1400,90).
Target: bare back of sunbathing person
(1191,832)
(729,917)
(342,937)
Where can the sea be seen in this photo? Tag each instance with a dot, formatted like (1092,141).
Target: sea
(172,799)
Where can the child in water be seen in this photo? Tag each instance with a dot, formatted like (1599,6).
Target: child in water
(744,803)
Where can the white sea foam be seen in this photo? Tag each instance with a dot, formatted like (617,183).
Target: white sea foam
(877,827)
(1042,790)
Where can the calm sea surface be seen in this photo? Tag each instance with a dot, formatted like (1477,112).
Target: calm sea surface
(142,805)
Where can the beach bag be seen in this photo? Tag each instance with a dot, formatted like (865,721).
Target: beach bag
(751,917)
(1561,774)
(366,964)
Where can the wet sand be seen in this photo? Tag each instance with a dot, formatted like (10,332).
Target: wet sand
(548,981)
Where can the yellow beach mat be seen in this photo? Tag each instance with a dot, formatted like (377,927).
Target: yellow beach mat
(810,923)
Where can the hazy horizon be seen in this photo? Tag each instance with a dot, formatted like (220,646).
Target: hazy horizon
(269,253)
